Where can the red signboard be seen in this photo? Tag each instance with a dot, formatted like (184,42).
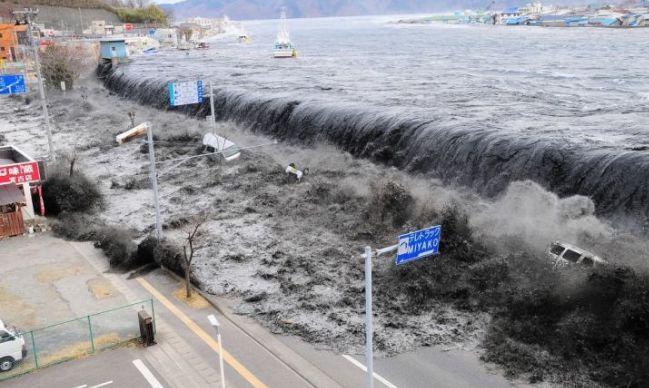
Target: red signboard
(19,173)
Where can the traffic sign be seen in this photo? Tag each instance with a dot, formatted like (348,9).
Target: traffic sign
(184,93)
(419,244)
(12,84)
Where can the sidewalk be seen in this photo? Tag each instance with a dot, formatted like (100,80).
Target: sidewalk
(186,353)
(173,358)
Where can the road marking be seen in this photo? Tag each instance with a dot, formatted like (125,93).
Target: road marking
(364,369)
(153,382)
(81,386)
(102,384)
(227,357)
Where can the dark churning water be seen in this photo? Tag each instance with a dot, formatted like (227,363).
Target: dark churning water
(480,106)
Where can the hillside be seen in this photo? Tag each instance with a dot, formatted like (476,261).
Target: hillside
(268,9)
(61,13)
(73,15)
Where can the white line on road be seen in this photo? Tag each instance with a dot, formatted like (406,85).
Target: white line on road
(147,374)
(364,369)
(102,384)
(81,386)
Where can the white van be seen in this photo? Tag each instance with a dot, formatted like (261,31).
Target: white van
(564,254)
(12,347)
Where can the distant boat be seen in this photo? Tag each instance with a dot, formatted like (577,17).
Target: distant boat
(243,35)
(283,46)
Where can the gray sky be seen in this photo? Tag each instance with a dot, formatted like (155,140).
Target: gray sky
(165,1)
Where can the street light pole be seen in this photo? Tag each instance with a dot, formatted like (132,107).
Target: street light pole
(369,351)
(138,131)
(154,182)
(215,323)
(27,13)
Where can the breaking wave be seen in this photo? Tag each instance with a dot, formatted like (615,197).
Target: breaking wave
(482,158)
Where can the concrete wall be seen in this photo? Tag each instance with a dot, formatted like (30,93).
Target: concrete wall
(71,19)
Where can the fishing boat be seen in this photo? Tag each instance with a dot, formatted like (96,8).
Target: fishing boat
(283,46)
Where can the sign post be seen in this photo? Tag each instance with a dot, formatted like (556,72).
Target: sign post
(213,118)
(412,246)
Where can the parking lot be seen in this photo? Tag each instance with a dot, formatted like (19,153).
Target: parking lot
(45,280)
(50,292)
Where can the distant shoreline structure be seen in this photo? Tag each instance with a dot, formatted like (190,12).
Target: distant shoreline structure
(536,14)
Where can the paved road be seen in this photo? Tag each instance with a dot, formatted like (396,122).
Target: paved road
(424,368)
(109,369)
(254,357)
(256,361)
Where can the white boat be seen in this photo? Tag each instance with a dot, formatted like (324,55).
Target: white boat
(243,35)
(283,46)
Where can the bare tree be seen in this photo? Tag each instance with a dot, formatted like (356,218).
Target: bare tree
(65,63)
(141,3)
(72,158)
(192,244)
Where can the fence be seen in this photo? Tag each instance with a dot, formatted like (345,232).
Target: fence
(79,337)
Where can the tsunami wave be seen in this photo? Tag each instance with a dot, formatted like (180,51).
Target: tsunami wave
(481,158)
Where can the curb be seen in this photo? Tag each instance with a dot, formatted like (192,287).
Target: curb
(313,376)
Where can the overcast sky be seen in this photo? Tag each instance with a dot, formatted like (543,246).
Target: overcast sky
(165,1)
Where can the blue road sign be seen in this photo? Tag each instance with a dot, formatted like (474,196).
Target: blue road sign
(419,244)
(12,84)
(184,93)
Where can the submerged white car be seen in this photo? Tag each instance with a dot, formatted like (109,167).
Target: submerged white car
(564,254)
(12,347)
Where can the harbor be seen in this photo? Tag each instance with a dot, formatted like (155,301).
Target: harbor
(538,14)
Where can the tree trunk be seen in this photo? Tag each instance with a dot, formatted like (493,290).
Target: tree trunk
(72,161)
(188,284)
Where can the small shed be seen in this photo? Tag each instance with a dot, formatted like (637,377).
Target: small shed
(114,50)
(11,216)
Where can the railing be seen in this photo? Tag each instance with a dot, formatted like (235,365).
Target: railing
(80,337)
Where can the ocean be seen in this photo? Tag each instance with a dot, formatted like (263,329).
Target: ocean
(475,105)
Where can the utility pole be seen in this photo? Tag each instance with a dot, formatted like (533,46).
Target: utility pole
(27,14)
(81,20)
